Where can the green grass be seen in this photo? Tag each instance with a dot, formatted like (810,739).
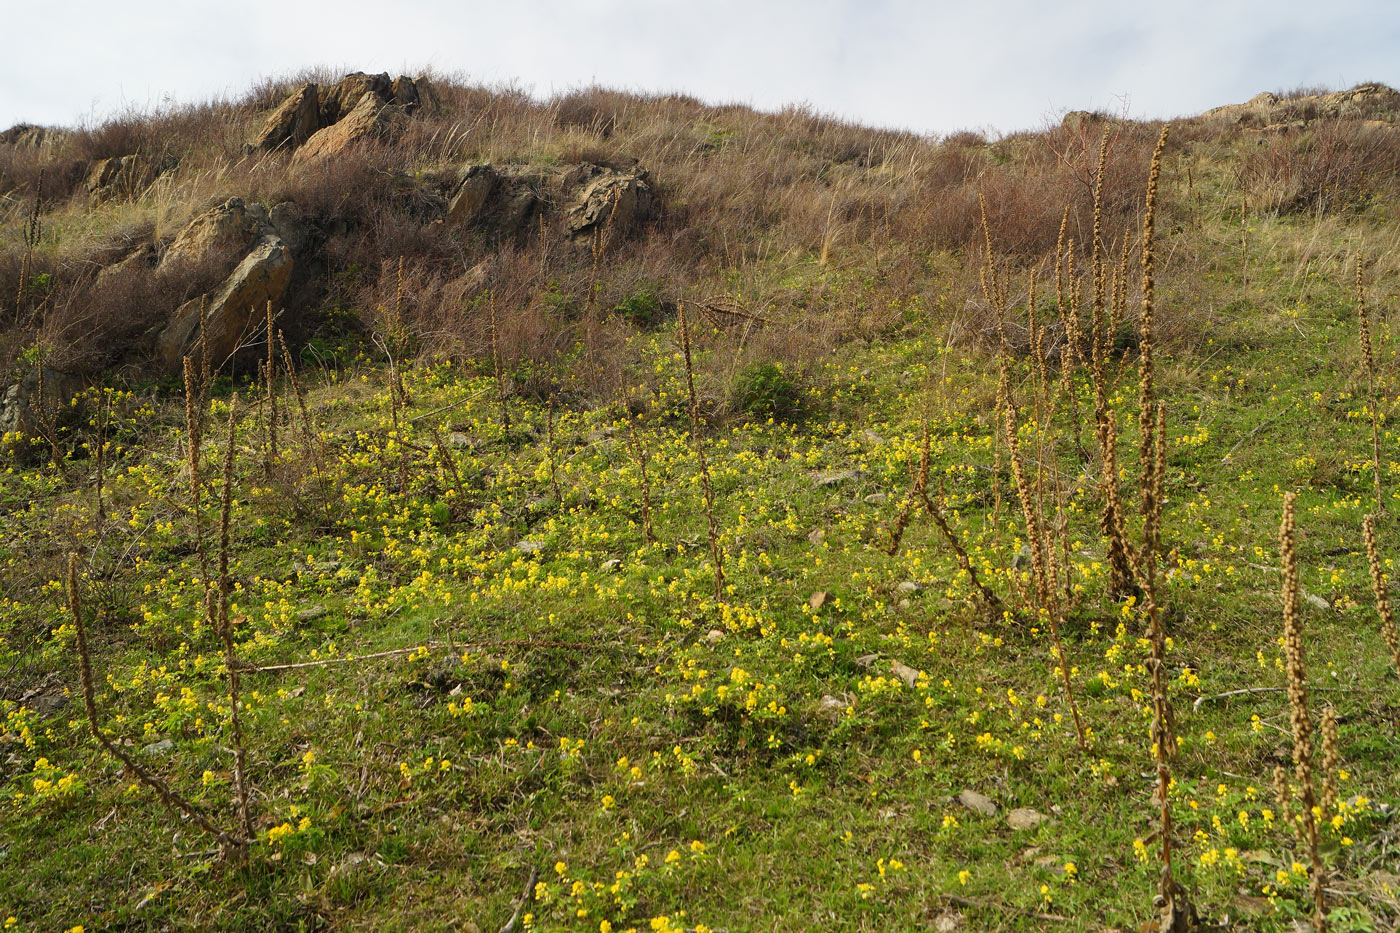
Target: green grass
(651,754)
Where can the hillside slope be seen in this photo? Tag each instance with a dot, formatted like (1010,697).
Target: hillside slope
(746,562)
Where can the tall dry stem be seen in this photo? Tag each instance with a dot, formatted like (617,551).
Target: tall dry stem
(716,551)
(270,373)
(1368,359)
(1380,587)
(641,457)
(498,369)
(1299,717)
(225,630)
(228,843)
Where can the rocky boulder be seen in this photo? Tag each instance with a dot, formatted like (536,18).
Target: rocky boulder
(229,230)
(24,408)
(29,136)
(292,123)
(1269,111)
(1081,121)
(234,310)
(508,201)
(338,100)
(404,93)
(119,177)
(606,196)
(370,120)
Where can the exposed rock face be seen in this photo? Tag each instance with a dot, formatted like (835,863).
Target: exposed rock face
(1077,121)
(507,201)
(478,185)
(119,177)
(230,229)
(606,196)
(371,119)
(292,123)
(234,309)
(404,92)
(1374,102)
(345,95)
(20,406)
(29,136)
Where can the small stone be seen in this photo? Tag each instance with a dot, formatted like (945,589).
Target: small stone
(310,613)
(905,604)
(458,439)
(904,672)
(529,547)
(816,537)
(831,708)
(948,921)
(817,600)
(612,564)
(907,587)
(1317,601)
(828,478)
(978,802)
(872,437)
(163,747)
(1023,818)
(866,660)
(876,498)
(714,636)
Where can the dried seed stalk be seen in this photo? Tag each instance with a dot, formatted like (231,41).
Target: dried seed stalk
(1299,717)
(1379,588)
(225,630)
(716,551)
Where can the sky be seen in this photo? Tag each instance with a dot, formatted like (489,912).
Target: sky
(932,67)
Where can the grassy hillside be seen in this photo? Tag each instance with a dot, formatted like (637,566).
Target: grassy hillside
(485,676)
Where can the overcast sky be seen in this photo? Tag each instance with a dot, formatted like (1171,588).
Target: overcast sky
(932,66)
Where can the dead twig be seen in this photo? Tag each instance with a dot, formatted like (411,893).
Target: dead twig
(525,899)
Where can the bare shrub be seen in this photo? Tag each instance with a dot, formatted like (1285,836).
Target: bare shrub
(1332,165)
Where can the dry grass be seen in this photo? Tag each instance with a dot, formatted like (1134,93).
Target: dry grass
(740,189)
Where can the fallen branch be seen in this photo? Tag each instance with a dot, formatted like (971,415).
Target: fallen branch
(438,411)
(525,898)
(998,905)
(1205,698)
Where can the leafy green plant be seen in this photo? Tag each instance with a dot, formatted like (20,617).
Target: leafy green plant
(768,390)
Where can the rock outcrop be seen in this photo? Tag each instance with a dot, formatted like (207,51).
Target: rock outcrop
(21,405)
(29,136)
(599,196)
(370,120)
(234,310)
(292,123)
(404,92)
(1373,102)
(257,248)
(119,177)
(310,111)
(345,95)
(508,201)
(226,230)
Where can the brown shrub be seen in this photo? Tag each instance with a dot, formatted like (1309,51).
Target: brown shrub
(1331,165)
